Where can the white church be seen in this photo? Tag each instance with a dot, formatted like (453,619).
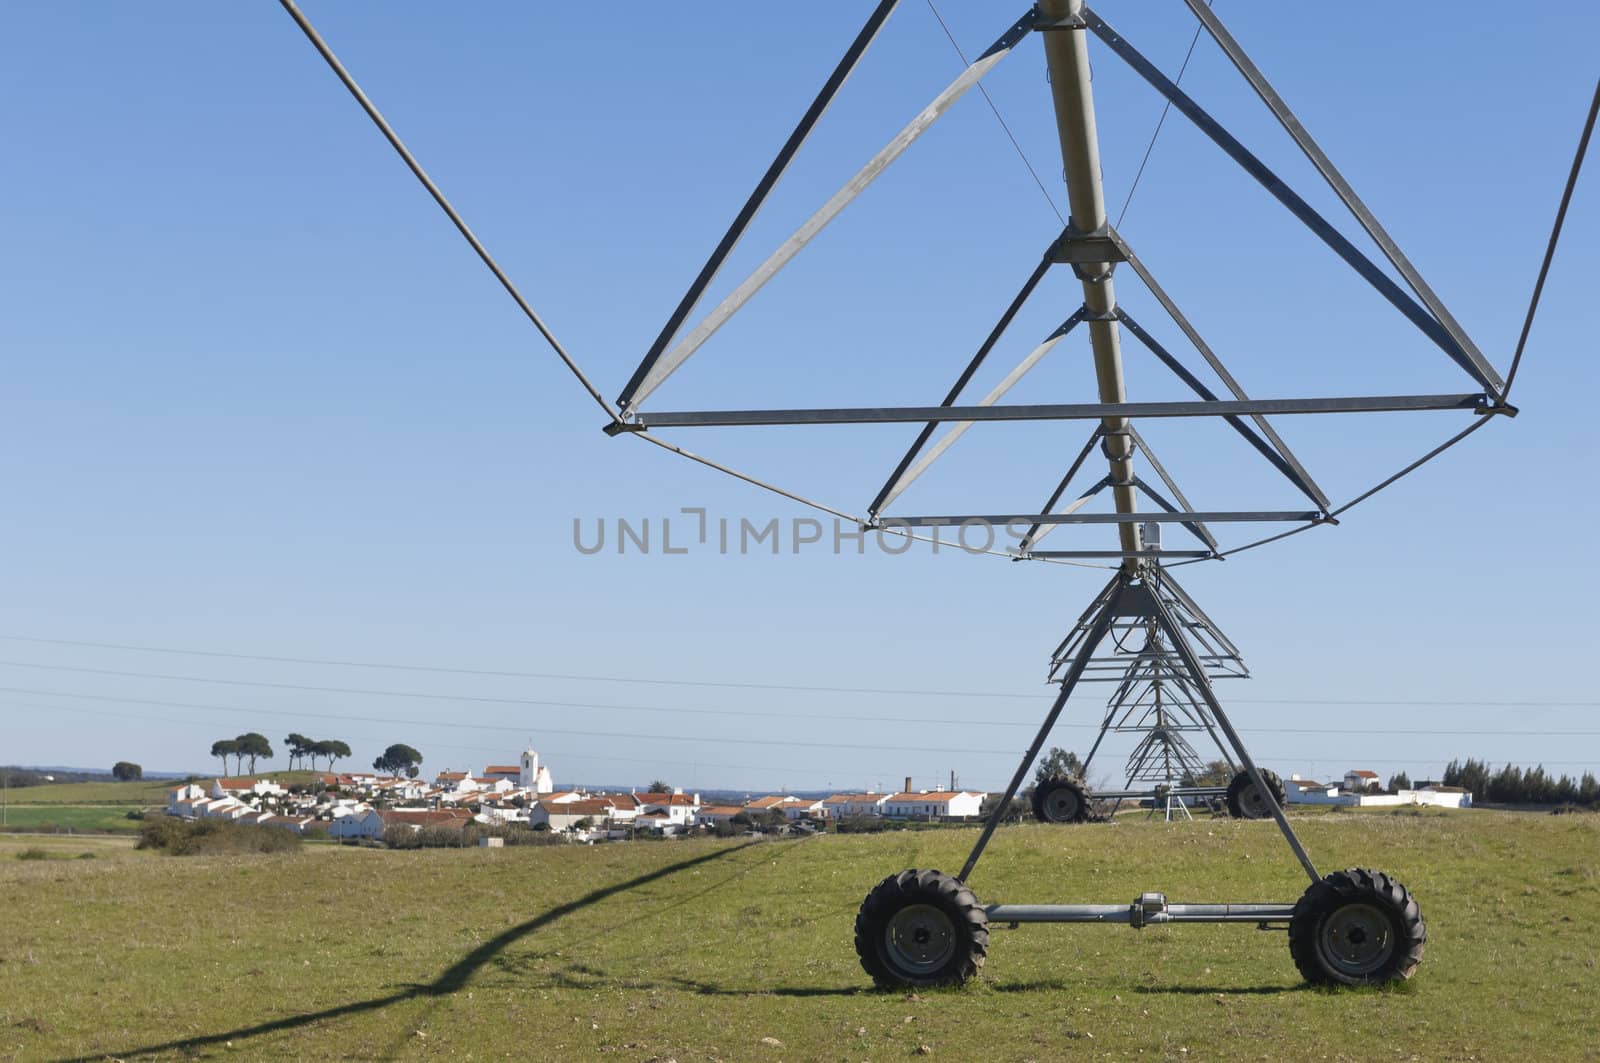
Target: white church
(535,776)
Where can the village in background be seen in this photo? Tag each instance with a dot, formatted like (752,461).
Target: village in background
(508,801)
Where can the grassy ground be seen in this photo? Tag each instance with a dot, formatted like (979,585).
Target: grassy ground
(700,950)
(95,819)
(144,792)
(97,806)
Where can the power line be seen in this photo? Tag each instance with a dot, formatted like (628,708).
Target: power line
(522,726)
(998,118)
(712,683)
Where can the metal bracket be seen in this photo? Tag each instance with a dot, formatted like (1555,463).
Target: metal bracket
(1149,908)
(1065,22)
(617,428)
(1079,249)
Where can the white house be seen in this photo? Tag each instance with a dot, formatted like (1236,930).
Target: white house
(624,807)
(1310,792)
(803,809)
(1361,781)
(244,787)
(841,806)
(676,809)
(180,799)
(367,823)
(711,815)
(226,808)
(934,804)
(564,815)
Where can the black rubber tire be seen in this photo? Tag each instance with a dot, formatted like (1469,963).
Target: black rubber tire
(1060,800)
(1244,801)
(1350,901)
(942,901)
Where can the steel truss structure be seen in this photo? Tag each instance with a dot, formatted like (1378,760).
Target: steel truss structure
(924,927)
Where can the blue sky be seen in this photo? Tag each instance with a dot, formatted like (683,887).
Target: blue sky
(262,399)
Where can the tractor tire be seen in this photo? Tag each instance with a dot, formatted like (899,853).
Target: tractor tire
(921,928)
(1060,800)
(1357,928)
(1245,801)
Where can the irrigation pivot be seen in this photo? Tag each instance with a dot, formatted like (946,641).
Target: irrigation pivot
(1143,631)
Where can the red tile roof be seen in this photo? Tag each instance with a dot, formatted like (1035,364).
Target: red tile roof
(451,818)
(502,769)
(933,797)
(236,784)
(770,802)
(576,808)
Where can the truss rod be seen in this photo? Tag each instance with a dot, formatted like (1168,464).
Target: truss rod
(909,476)
(1166,517)
(1200,530)
(1290,199)
(1342,189)
(764,187)
(1299,475)
(1104,411)
(1034,534)
(669,363)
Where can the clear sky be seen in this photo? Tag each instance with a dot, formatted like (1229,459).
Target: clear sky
(261,399)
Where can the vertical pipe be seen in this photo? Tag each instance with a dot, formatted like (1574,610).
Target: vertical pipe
(1066,54)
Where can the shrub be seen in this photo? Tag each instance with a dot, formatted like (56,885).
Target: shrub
(177,837)
(33,853)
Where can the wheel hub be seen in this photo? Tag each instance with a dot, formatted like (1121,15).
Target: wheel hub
(920,939)
(1357,939)
(1062,805)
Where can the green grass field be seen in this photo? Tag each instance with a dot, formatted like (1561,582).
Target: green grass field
(94,819)
(96,807)
(699,950)
(142,793)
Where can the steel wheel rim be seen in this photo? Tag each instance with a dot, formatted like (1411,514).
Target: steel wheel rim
(920,939)
(1357,940)
(1060,805)
(1255,803)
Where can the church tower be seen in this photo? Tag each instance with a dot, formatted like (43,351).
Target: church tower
(535,776)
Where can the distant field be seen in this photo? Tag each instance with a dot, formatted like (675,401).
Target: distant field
(699,950)
(92,818)
(145,792)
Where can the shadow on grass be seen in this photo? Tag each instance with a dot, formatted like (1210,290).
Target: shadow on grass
(454,978)
(1223,991)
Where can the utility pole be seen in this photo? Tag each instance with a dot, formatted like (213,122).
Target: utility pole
(1066,52)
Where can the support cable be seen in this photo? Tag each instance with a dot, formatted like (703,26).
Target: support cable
(1165,110)
(1409,469)
(998,118)
(438,197)
(1555,235)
